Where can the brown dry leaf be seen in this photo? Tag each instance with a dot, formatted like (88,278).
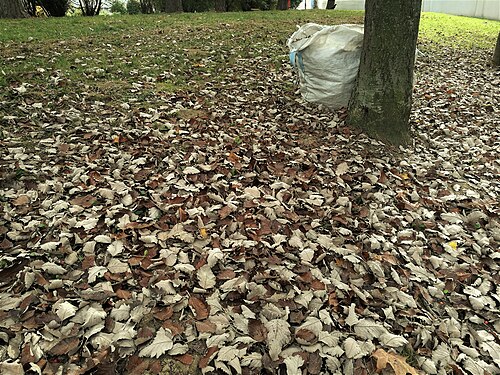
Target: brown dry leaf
(174,327)
(85,201)
(21,200)
(163,313)
(306,335)
(314,363)
(6,244)
(65,346)
(200,308)
(137,365)
(257,330)
(123,294)
(397,362)
(207,357)
(185,359)
(225,212)
(206,326)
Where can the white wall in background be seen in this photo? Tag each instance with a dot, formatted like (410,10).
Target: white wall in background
(471,8)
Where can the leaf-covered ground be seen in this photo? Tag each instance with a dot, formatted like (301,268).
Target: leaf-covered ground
(169,204)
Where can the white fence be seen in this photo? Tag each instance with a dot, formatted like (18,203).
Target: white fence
(471,8)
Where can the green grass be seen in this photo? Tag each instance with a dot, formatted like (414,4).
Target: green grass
(435,27)
(459,32)
(51,29)
(106,58)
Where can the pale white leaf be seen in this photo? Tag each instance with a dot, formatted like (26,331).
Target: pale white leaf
(49,246)
(351,348)
(161,344)
(11,368)
(406,299)
(369,329)
(352,318)
(186,268)
(117,266)
(102,238)
(252,192)
(115,248)
(65,310)
(178,349)
(95,272)
(94,315)
(106,193)
(206,277)
(168,256)
(247,313)
(120,313)
(307,255)
(493,350)
(293,364)
(214,255)
(278,335)
(9,303)
(53,269)
(227,353)
(127,200)
(166,286)
(393,341)
(342,168)
(233,284)
(191,170)
(87,224)
(151,238)
(295,241)
(252,360)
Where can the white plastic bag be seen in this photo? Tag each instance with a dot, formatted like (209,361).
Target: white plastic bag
(327,61)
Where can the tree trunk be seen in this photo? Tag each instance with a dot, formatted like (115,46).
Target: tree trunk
(331,4)
(90,7)
(173,6)
(12,9)
(381,100)
(54,8)
(496,54)
(220,6)
(282,4)
(29,6)
(147,6)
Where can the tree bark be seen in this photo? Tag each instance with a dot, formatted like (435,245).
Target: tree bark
(30,7)
(54,8)
(147,6)
(381,100)
(220,6)
(282,4)
(331,4)
(12,9)
(173,6)
(496,54)
(90,7)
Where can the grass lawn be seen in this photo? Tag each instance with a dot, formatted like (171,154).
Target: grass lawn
(107,55)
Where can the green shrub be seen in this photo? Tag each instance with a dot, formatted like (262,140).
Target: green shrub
(133,7)
(118,7)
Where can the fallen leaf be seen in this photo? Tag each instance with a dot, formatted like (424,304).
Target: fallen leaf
(397,362)
(21,200)
(278,335)
(200,308)
(257,330)
(160,345)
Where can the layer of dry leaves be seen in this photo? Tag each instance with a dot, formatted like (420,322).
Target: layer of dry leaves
(236,228)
